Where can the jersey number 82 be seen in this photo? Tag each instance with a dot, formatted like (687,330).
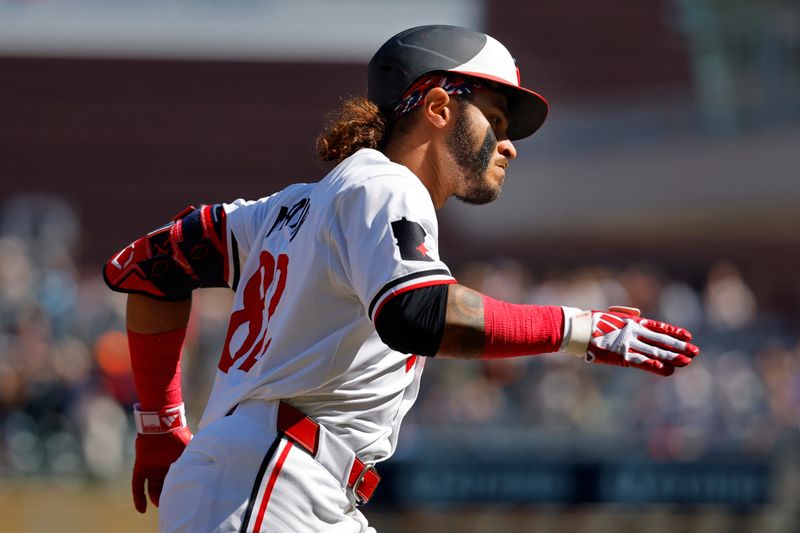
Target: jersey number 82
(254,297)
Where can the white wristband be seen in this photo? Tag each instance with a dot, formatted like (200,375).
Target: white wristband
(577,331)
(163,421)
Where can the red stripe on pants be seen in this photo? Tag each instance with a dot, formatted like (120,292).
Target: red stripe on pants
(272,479)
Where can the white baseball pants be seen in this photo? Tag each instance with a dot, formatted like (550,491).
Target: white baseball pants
(237,475)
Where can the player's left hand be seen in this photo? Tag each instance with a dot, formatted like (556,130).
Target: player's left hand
(154,455)
(628,340)
(621,337)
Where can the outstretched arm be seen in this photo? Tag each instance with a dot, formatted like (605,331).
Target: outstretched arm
(477,326)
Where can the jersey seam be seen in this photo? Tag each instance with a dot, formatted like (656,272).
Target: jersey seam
(337,202)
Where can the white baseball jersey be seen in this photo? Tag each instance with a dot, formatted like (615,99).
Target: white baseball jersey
(318,262)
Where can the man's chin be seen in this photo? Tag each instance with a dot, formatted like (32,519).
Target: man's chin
(480,196)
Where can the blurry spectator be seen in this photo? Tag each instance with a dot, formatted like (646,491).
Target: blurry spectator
(114,362)
(681,305)
(16,278)
(643,287)
(780,372)
(505,279)
(48,223)
(105,434)
(595,288)
(730,303)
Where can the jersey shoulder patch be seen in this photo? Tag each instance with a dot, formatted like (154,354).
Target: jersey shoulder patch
(410,238)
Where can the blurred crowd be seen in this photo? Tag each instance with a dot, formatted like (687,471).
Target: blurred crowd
(740,397)
(66,387)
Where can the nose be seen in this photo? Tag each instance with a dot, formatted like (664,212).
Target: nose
(506,148)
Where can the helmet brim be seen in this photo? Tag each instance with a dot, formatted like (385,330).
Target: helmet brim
(527,109)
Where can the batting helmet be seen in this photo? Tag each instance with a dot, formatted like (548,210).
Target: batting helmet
(425,49)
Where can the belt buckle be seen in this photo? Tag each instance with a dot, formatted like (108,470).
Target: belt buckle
(359,479)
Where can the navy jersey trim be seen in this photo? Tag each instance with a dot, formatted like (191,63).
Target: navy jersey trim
(235,258)
(257,485)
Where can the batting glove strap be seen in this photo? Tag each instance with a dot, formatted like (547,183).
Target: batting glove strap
(166,420)
(577,331)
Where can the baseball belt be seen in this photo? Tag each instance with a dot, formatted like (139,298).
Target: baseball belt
(304,432)
(326,448)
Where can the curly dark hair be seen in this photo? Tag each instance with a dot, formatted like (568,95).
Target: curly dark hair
(357,124)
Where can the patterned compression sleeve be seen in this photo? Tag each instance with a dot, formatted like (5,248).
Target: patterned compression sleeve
(171,261)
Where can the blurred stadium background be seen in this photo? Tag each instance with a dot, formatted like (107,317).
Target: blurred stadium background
(667,177)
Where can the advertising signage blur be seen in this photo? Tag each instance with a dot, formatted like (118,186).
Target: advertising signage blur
(459,482)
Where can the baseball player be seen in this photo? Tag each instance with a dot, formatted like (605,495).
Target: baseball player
(339,290)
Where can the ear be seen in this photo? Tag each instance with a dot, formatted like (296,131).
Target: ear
(436,107)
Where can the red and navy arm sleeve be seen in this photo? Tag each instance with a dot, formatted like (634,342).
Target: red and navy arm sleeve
(168,263)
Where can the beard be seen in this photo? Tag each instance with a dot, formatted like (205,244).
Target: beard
(473,162)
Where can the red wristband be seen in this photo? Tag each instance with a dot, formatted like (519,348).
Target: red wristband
(155,361)
(514,330)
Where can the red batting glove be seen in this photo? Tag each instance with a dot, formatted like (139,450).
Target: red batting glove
(162,437)
(625,339)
